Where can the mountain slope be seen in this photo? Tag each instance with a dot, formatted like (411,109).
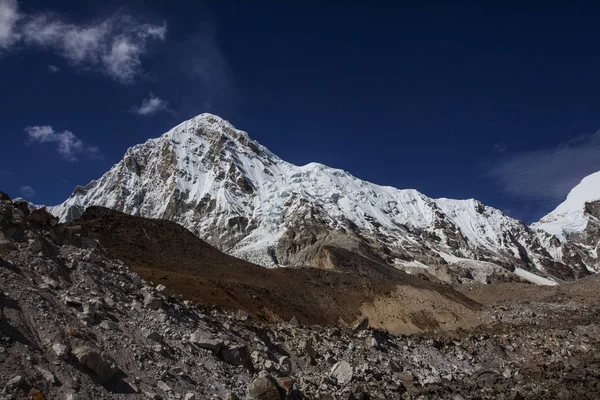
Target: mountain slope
(234,193)
(572,215)
(576,224)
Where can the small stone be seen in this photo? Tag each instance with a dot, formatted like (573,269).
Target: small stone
(108,325)
(308,349)
(61,350)
(342,372)
(189,396)
(163,290)
(206,340)
(152,302)
(154,336)
(71,396)
(237,355)
(294,322)
(15,382)
(47,375)
(163,386)
(285,364)
(361,325)
(152,396)
(89,309)
(103,367)
(286,383)
(262,389)
(51,283)
(372,342)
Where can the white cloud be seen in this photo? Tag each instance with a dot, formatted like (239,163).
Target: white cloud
(546,176)
(68,145)
(53,68)
(113,45)
(150,105)
(9,15)
(27,191)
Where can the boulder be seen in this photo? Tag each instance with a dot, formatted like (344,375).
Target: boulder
(61,350)
(206,340)
(15,382)
(236,355)
(286,384)
(154,336)
(342,372)
(262,389)
(101,366)
(285,364)
(152,302)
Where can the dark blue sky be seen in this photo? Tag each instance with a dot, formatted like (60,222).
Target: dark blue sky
(496,103)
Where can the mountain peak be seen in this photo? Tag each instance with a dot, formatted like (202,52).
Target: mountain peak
(569,216)
(234,193)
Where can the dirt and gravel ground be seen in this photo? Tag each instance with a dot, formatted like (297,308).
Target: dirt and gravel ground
(77,322)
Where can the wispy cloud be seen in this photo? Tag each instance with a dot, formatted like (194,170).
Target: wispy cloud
(53,68)
(113,45)
(206,71)
(9,15)
(27,191)
(150,105)
(500,147)
(546,176)
(68,146)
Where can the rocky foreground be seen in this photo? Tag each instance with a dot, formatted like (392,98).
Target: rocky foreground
(76,323)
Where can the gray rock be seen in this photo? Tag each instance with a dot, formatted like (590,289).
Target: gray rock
(163,386)
(285,364)
(154,336)
(51,283)
(361,325)
(89,309)
(262,389)
(152,396)
(61,350)
(103,367)
(342,372)
(206,340)
(15,382)
(47,375)
(189,396)
(308,349)
(236,355)
(163,290)
(108,325)
(152,302)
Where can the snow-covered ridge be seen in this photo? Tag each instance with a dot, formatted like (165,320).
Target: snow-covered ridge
(233,192)
(569,217)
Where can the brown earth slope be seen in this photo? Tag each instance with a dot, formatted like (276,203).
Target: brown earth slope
(166,253)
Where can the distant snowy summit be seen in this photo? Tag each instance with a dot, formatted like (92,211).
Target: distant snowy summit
(574,214)
(234,193)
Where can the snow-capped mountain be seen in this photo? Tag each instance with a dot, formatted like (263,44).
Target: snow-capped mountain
(576,224)
(572,215)
(237,195)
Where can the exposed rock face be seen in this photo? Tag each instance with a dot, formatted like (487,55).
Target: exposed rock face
(234,193)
